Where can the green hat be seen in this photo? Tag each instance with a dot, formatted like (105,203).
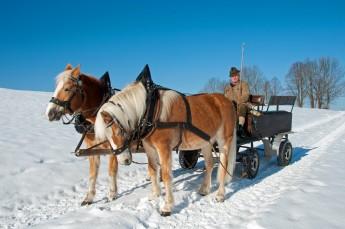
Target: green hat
(234,71)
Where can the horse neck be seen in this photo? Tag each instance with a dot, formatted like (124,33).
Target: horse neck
(94,93)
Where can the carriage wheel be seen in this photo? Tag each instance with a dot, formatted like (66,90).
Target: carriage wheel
(188,158)
(285,153)
(252,164)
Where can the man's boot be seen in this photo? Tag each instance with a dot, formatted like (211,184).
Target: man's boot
(240,131)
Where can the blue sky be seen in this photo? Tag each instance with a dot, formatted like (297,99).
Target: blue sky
(184,42)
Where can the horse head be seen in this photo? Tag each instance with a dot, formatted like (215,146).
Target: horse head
(68,95)
(118,118)
(115,132)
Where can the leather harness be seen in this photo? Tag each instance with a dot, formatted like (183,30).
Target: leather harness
(148,123)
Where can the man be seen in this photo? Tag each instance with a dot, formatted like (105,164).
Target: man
(238,92)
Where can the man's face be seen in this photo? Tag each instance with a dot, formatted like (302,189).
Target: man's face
(234,79)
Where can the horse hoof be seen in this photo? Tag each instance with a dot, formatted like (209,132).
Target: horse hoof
(127,162)
(86,203)
(109,199)
(203,192)
(165,213)
(220,198)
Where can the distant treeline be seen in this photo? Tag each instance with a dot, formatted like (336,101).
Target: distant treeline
(320,82)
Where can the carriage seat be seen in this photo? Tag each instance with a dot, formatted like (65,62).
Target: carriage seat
(257,100)
(271,122)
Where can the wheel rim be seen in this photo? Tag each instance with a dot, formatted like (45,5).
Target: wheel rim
(254,161)
(287,153)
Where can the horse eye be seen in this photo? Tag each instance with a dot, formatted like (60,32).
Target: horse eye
(66,89)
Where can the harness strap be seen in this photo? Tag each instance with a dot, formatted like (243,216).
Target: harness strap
(152,99)
(188,111)
(187,125)
(114,151)
(183,125)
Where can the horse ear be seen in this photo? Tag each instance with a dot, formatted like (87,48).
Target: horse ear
(145,76)
(106,117)
(76,71)
(68,67)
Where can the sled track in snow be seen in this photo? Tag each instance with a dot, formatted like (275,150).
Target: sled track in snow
(319,123)
(248,199)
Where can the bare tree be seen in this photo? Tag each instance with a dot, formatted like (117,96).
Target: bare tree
(296,82)
(331,76)
(322,81)
(214,85)
(276,86)
(267,90)
(255,79)
(309,72)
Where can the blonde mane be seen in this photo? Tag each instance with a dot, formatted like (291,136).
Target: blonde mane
(129,106)
(167,99)
(63,76)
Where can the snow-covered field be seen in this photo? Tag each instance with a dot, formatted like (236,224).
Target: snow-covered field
(42,184)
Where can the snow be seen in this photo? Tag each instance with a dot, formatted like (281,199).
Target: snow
(42,184)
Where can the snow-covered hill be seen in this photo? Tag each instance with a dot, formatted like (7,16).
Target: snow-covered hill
(42,184)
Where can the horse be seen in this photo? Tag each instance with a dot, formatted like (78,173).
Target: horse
(212,113)
(78,93)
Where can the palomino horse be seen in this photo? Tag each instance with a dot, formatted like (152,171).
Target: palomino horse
(77,93)
(211,113)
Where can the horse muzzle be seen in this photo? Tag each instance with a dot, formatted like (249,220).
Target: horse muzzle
(54,113)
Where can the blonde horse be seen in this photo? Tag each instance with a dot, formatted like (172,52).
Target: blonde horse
(77,93)
(211,113)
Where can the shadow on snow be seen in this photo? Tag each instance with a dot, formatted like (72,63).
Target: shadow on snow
(195,176)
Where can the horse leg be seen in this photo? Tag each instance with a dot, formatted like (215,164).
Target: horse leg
(221,174)
(112,170)
(165,161)
(94,162)
(153,170)
(205,187)
(226,164)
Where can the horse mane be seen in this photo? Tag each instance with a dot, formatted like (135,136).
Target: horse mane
(63,76)
(168,97)
(129,106)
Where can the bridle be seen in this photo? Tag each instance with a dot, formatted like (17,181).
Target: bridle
(77,89)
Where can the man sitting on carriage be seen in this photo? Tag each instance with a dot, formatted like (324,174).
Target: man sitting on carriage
(238,92)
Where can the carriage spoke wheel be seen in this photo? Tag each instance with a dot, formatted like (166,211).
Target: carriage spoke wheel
(188,158)
(252,164)
(285,153)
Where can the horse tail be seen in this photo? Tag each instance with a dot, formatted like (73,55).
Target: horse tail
(231,157)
